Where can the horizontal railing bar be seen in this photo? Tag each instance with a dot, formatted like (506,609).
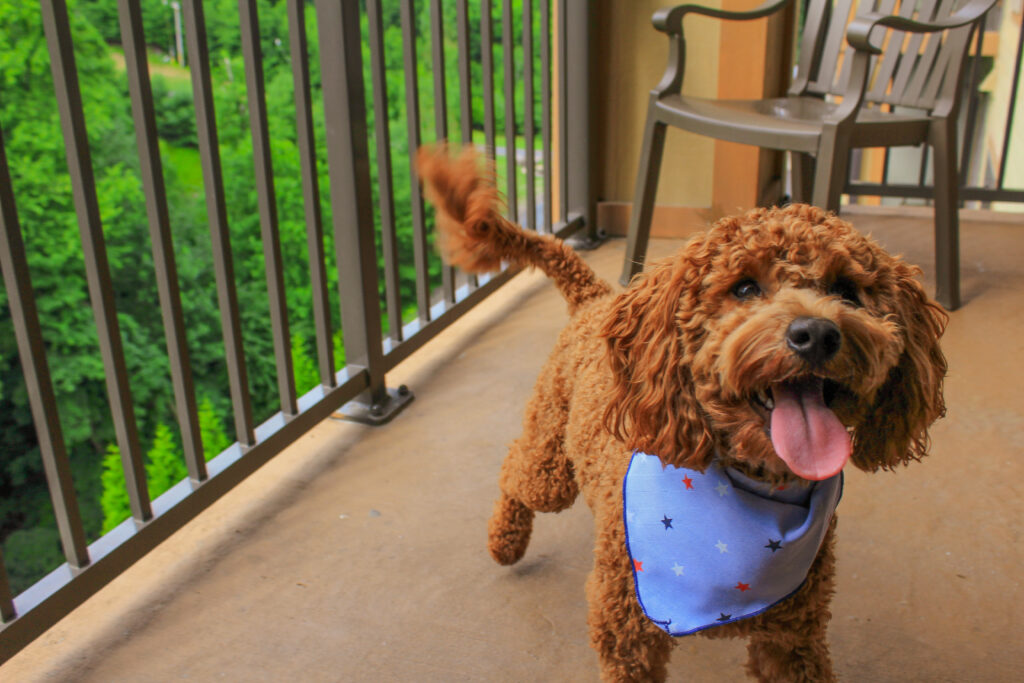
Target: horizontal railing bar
(443,314)
(46,602)
(417,334)
(980,194)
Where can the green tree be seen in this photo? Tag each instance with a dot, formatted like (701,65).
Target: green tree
(165,466)
(42,185)
(29,554)
(307,375)
(114,499)
(211,429)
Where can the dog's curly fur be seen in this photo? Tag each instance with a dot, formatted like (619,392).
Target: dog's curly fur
(671,366)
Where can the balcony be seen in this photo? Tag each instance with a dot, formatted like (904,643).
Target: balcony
(359,553)
(322,549)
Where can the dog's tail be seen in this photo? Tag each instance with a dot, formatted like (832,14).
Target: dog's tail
(476,237)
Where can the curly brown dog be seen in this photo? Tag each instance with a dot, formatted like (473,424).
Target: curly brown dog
(778,345)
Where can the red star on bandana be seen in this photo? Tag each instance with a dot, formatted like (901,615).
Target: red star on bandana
(741,587)
(688,482)
(638,565)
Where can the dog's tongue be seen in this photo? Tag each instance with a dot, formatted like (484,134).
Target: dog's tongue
(806,434)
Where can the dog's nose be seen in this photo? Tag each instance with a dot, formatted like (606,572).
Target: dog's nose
(816,340)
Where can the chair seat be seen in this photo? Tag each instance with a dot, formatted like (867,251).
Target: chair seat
(788,123)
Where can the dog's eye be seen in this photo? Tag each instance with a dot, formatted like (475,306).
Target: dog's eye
(746,289)
(845,290)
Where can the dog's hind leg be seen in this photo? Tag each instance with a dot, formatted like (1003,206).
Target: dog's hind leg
(536,475)
(508,532)
(534,478)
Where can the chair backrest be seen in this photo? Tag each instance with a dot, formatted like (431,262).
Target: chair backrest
(916,70)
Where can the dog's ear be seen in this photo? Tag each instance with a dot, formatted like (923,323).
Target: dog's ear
(653,407)
(896,431)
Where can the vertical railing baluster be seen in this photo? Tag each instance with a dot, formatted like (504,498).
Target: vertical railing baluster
(298,44)
(465,74)
(36,370)
(385,175)
(562,60)
(545,104)
(213,183)
(412,117)
(97,268)
(437,56)
(266,200)
(576,93)
(465,86)
(508,48)
(487,66)
(351,197)
(528,123)
(7,611)
(133,40)
(441,116)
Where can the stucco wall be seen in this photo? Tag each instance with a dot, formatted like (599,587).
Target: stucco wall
(630,57)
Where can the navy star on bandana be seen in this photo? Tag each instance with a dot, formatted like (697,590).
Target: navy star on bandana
(774,545)
(667,521)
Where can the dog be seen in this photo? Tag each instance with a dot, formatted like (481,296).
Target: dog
(753,365)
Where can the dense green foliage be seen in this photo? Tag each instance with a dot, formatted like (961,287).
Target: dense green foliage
(35,149)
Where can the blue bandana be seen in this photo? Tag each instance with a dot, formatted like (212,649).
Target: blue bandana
(715,547)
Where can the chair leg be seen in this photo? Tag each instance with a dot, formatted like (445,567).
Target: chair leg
(947,214)
(803,177)
(643,196)
(830,170)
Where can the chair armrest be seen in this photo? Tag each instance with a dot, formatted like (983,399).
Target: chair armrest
(670,19)
(858,33)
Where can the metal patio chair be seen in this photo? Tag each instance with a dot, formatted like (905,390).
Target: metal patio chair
(888,77)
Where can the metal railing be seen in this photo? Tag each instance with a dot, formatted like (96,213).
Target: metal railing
(370,351)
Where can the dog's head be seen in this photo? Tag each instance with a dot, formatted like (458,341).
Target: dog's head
(783,340)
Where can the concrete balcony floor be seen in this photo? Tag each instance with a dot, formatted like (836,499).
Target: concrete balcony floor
(359,554)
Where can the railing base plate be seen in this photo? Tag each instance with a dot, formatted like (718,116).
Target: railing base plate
(582,241)
(378,413)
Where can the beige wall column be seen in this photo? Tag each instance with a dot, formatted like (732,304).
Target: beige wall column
(701,179)
(753,58)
